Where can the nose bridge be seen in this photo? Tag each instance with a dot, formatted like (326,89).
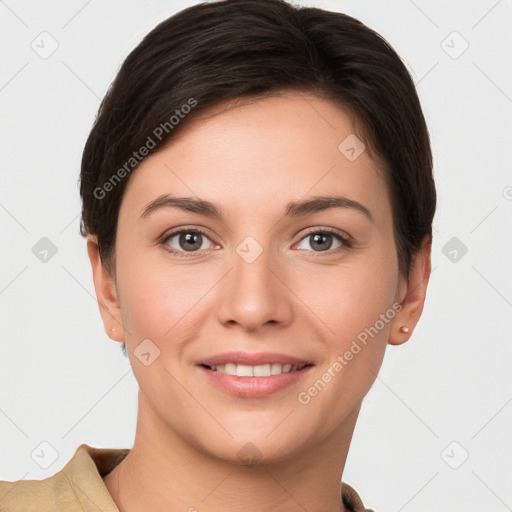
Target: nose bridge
(253,295)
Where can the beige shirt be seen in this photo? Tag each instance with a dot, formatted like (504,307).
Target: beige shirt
(79,487)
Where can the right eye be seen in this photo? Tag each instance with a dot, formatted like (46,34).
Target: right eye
(183,241)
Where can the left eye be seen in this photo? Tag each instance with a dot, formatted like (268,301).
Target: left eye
(188,241)
(323,241)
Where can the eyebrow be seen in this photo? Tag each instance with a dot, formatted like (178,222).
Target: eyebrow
(293,208)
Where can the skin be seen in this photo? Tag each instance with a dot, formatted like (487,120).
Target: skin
(251,160)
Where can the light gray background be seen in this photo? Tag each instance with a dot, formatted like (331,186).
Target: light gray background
(444,395)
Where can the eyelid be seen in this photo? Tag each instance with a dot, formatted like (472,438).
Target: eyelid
(163,240)
(345,239)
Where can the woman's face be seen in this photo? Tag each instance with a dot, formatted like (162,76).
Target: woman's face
(267,279)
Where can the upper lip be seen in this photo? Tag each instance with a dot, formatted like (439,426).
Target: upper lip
(253,359)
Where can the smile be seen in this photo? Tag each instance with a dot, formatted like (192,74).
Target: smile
(262,370)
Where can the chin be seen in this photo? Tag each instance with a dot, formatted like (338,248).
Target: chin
(257,447)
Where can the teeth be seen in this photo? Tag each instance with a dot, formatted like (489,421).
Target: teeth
(276,368)
(230,368)
(244,370)
(262,370)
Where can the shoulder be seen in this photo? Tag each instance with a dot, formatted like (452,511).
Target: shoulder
(76,487)
(34,495)
(352,500)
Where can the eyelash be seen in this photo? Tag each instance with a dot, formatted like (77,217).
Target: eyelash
(346,241)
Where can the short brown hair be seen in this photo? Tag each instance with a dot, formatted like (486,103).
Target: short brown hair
(215,52)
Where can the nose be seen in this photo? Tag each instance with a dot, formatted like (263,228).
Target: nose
(255,294)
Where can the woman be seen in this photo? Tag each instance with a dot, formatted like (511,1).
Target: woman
(257,200)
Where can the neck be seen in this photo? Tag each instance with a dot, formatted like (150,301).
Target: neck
(165,472)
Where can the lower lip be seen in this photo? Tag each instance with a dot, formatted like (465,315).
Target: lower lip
(254,387)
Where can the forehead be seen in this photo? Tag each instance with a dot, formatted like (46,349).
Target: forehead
(258,154)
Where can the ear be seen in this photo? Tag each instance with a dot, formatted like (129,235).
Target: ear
(413,295)
(106,292)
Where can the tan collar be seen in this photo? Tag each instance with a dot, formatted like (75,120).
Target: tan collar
(79,486)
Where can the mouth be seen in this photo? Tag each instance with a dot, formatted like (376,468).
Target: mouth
(261,370)
(254,375)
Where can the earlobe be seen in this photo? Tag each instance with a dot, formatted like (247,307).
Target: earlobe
(402,326)
(106,292)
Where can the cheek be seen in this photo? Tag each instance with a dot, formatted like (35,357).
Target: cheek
(355,306)
(347,299)
(160,301)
